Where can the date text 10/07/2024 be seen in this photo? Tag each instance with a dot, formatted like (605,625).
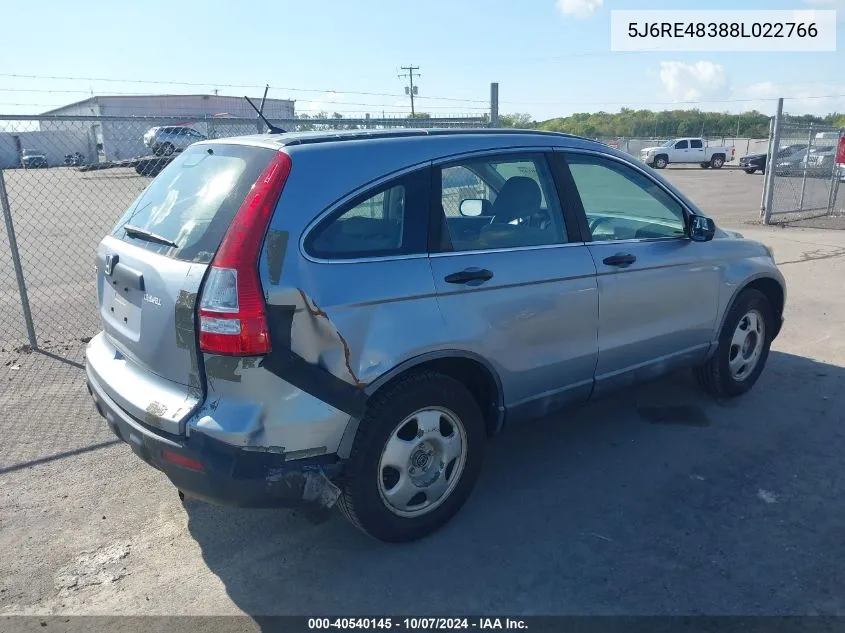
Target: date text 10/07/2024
(416,624)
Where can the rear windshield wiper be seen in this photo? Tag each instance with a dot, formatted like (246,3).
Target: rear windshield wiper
(144,234)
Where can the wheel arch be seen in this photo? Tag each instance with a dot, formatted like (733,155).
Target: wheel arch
(471,369)
(771,287)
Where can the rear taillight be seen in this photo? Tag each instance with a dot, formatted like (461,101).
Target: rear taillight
(232,314)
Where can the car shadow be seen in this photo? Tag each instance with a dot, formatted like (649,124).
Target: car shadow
(659,500)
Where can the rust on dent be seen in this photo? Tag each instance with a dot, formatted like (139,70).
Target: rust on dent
(347,354)
(315,311)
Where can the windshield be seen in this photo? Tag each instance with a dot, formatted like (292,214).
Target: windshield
(668,143)
(189,206)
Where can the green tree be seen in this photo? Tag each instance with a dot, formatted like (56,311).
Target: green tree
(664,124)
(517,120)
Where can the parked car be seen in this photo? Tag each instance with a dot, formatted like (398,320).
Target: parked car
(822,158)
(167,139)
(74,159)
(688,150)
(312,330)
(822,163)
(786,155)
(818,162)
(33,159)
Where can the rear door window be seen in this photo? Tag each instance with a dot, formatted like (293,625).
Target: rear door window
(459,183)
(193,201)
(518,203)
(389,220)
(695,144)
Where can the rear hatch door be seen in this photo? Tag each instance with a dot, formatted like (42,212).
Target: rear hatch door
(149,272)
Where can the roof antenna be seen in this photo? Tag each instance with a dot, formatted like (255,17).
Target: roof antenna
(271,129)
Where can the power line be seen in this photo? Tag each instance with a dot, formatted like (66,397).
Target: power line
(329,105)
(219,85)
(685,102)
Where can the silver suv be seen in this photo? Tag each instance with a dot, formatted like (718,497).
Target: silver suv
(165,140)
(323,318)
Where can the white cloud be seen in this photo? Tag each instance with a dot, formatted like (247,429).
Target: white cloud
(693,82)
(837,5)
(329,102)
(763,90)
(820,99)
(579,8)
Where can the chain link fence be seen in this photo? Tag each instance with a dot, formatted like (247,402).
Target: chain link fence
(805,177)
(743,145)
(64,182)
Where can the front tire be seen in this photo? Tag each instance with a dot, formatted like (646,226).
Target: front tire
(743,349)
(660,162)
(415,459)
(749,171)
(167,149)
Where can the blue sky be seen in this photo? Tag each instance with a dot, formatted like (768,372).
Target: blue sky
(551,57)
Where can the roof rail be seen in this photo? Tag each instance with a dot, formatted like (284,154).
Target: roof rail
(330,136)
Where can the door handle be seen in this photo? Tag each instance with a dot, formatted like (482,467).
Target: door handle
(469,275)
(620,259)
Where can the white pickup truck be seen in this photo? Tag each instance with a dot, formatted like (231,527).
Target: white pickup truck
(688,150)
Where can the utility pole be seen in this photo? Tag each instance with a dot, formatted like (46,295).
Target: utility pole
(494,104)
(410,89)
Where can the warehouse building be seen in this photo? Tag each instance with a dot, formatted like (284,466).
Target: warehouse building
(213,116)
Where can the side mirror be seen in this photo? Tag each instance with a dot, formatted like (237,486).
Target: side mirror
(700,228)
(472,207)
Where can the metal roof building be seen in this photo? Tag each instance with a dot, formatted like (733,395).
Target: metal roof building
(175,105)
(118,140)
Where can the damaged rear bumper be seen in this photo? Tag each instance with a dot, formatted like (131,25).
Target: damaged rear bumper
(213,471)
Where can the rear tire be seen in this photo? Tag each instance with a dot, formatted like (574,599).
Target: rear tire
(717,161)
(427,407)
(704,165)
(749,171)
(744,343)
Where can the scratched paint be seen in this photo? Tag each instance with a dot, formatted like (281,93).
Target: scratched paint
(223,367)
(154,412)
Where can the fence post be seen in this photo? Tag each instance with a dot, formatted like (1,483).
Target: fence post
(494,104)
(16,261)
(834,181)
(771,167)
(806,164)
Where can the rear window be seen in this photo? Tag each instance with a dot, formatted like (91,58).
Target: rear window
(193,201)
